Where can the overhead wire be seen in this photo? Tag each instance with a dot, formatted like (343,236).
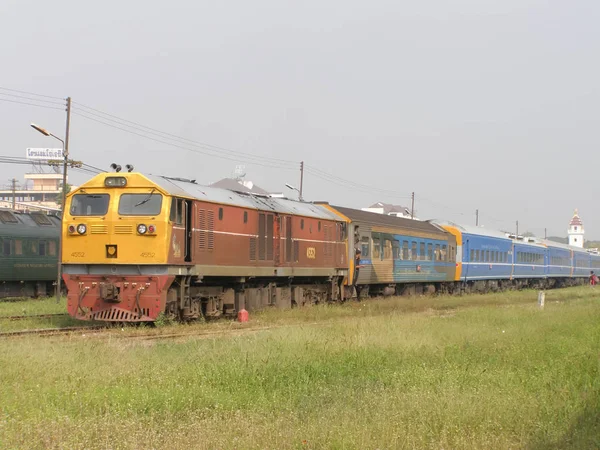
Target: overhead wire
(30,93)
(165,135)
(53,102)
(190,149)
(354,185)
(31,104)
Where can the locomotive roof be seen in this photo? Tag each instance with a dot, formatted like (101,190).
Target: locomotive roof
(244,200)
(390,221)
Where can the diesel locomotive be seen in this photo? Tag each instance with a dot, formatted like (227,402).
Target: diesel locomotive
(136,246)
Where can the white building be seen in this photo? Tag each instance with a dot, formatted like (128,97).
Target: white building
(576,231)
(389,210)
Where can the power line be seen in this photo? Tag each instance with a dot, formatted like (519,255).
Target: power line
(53,102)
(194,150)
(30,93)
(354,185)
(30,104)
(164,135)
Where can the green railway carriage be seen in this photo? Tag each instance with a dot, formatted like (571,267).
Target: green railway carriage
(29,253)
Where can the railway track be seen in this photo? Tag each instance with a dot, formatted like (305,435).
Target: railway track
(33,316)
(52,331)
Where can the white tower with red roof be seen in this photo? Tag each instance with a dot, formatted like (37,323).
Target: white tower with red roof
(576,231)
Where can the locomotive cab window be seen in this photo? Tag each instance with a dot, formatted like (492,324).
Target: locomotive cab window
(89,204)
(140,204)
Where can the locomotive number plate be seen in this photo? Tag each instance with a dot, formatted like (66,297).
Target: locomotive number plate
(311,253)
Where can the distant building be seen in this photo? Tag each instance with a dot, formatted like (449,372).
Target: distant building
(40,192)
(576,231)
(245,186)
(389,210)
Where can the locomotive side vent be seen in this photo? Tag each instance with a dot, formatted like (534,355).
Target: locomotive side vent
(252,249)
(202,224)
(211,229)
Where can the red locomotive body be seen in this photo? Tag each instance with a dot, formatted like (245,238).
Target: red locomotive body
(213,252)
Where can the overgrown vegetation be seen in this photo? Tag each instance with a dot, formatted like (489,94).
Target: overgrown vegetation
(392,373)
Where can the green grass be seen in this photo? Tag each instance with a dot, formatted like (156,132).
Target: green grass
(35,307)
(388,373)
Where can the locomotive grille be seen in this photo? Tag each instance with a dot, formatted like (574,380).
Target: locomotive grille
(98,229)
(116,314)
(123,229)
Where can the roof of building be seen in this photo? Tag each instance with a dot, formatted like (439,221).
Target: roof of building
(576,220)
(389,208)
(239,186)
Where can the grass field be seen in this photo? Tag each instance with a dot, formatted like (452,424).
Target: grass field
(31,308)
(484,371)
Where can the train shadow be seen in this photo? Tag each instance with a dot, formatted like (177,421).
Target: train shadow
(583,433)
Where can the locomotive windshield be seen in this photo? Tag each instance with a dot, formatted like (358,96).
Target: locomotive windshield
(89,204)
(140,204)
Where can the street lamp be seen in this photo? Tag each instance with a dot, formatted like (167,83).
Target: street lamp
(289,186)
(64,200)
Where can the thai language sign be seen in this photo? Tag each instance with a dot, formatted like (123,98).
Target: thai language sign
(44,153)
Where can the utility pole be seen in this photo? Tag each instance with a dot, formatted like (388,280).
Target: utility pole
(64,200)
(301,178)
(476,217)
(545,234)
(517,229)
(412,207)
(14,189)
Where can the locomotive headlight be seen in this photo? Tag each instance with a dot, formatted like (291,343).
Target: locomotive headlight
(81,228)
(141,228)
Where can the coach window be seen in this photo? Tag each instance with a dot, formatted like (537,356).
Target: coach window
(220,213)
(405,251)
(472,256)
(319,227)
(376,248)
(429,252)
(444,253)
(365,246)
(302,224)
(140,204)
(42,248)
(19,247)
(6,247)
(245,216)
(387,249)
(422,254)
(90,204)
(396,249)
(414,250)
(52,248)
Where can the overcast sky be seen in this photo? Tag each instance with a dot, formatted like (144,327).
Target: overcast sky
(471,104)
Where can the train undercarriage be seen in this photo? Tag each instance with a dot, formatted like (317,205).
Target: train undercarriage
(145,297)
